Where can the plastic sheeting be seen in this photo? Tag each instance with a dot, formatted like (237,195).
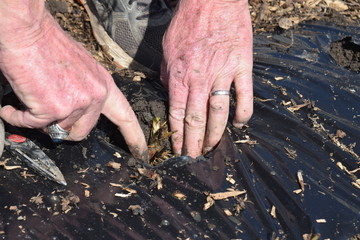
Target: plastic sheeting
(283,139)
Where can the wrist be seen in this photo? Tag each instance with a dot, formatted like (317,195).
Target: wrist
(22,20)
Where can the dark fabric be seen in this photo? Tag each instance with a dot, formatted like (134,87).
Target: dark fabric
(266,170)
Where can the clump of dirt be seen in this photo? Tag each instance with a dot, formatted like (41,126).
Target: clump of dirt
(346,53)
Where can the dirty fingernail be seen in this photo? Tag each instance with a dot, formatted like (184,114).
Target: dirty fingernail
(207,149)
(238,124)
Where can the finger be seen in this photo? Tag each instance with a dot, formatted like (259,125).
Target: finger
(82,127)
(119,111)
(21,118)
(244,98)
(195,122)
(177,101)
(217,117)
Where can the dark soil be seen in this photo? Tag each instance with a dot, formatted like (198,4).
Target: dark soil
(346,53)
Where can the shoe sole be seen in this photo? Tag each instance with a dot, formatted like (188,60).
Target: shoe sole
(119,57)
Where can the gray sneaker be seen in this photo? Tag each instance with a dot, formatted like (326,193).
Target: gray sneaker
(130,31)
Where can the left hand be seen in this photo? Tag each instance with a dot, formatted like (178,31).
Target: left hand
(207,47)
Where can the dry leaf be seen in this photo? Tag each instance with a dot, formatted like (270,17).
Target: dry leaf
(285,23)
(114,165)
(337,5)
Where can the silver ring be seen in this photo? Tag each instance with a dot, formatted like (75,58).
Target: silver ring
(57,133)
(220,92)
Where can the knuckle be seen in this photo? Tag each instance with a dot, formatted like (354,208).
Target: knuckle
(217,107)
(177,113)
(195,120)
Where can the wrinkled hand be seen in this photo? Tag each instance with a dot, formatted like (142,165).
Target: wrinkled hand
(207,47)
(59,81)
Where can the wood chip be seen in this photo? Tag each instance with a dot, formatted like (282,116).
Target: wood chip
(273,211)
(230,179)
(86,193)
(38,199)
(228,212)
(114,165)
(85,185)
(224,195)
(117,155)
(321,220)
(114,214)
(179,195)
(152,175)
(301,180)
(6,167)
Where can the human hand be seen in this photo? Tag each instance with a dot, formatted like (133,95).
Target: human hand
(207,47)
(58,81)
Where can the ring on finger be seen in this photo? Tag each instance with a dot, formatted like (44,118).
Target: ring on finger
(57,133)
(220,92)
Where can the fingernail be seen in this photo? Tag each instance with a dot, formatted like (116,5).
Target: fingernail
(238,124)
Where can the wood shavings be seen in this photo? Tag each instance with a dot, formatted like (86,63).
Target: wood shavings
(290,153)
(152,175)
(230,179)
(228,212)
(83,170)
(85,185)
(136,209)
(123,195)
(278,78)
(117,155)
(273,212)
(114,214)
(86,193)
(247,140)
(6,167)
(340,134)
(310,236)
(128,191)
(301,180)
(264,100)
(321,220)
(210,200)
(179,195)
(114,165)
(38,199)
(25,175)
